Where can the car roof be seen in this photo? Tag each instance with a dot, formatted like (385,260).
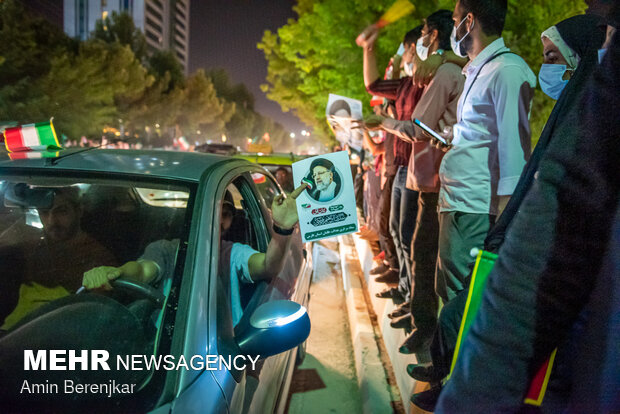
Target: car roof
(271,159)
(154,163)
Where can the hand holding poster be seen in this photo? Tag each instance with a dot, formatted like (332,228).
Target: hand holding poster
(327,208)
(341,112)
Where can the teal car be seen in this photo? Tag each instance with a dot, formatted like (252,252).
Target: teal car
(278,164)
(170,346)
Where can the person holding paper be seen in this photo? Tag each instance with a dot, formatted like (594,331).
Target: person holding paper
(398,202)
(437,109)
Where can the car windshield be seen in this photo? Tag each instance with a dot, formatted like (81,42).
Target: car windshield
(53,230)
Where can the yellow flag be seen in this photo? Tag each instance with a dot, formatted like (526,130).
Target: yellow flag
(399,9)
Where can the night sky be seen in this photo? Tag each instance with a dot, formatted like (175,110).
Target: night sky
(224,34)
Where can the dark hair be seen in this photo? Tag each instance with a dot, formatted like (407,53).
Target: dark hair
(322,162)
(71,193)
(491,14)
(441,21)
(228,199)
(413,35)
(338,105)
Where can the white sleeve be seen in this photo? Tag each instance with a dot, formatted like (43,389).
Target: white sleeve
(239,257)
(513,95)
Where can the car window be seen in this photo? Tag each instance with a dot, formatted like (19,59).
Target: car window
(242,235)
(54,230)
(242,295)
(266,187)
(284,176)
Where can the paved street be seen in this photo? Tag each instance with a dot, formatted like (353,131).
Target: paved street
(326,382)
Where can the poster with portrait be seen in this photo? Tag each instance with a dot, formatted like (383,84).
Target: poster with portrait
(327,207)
(341,112)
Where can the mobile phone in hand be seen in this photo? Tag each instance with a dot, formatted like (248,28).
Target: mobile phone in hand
(430,131)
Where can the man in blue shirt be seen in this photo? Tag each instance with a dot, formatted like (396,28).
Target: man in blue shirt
(156,265)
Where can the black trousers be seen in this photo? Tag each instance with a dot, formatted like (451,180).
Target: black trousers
(424,301)
(385,238)
(447,332)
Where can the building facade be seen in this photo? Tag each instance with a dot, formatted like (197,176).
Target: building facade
(165,23)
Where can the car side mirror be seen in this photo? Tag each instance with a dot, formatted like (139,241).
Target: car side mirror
(274,327)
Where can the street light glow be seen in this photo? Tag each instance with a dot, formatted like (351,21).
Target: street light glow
(292,135)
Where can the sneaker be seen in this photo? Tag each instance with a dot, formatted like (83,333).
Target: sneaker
(424,372)
(391,276)
(427,400)
(402,322)
(415,343)
(400,310)
(382,268)
(389,293)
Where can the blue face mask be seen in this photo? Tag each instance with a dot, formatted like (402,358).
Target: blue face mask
(601,55)
(550,78)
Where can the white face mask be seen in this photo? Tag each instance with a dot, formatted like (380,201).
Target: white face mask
(408,68)
(420,49)
(457,46)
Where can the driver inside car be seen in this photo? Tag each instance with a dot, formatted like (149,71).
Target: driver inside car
(54,264)
(156,265)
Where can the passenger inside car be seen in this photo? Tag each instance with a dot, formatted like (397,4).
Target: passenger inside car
(285,179)
(53,264)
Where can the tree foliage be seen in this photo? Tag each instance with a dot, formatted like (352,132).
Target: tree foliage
(315,54)
(106,81)
(245,121)
(120,28)
(49,75)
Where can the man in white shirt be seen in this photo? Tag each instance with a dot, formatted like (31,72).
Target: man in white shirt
(490,143)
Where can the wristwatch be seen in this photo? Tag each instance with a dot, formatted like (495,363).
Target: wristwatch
(283,232)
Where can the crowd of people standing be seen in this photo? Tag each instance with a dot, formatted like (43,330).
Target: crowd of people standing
(550,213)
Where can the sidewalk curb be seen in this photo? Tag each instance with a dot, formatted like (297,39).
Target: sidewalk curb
(378,396)
(388,338)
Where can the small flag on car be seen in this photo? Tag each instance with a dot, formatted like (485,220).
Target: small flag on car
(24,155)
(31,137)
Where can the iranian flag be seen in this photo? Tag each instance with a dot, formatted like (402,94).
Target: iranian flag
(24,155)
(31,137)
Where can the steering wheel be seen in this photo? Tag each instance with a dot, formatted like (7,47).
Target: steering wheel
(142,289)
